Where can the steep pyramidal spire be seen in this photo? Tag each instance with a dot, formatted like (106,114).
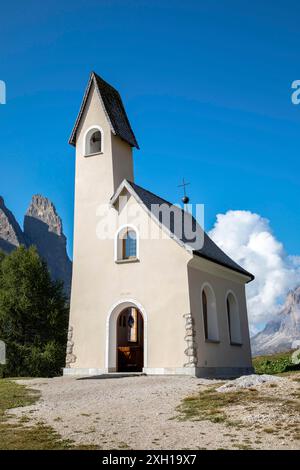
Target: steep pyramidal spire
(11,235)
(43,228)
(114,109)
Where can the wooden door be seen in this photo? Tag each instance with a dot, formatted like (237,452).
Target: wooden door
(130,341)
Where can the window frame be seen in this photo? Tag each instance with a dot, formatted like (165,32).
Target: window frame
(87,135)
(229,319)
(206,314)
(124,247)
(120,242)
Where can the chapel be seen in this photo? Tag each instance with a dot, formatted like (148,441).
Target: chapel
(151,292)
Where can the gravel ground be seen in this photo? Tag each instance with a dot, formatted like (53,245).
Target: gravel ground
(138,413)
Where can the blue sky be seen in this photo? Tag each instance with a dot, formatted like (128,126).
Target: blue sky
(206,84)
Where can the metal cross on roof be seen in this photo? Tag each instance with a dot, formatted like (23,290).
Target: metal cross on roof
(185,198)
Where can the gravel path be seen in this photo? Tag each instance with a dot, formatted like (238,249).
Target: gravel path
(135,412)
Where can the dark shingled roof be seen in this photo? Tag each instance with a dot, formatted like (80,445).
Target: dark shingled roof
(209,250)
(114,109)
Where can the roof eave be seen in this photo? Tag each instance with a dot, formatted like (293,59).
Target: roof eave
(126,184)
(122,185)
(241,271)
(72,139)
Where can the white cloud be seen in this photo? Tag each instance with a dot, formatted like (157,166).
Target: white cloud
(248,239)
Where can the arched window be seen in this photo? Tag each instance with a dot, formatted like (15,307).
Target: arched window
(233,318)
(93,142)
(127,244)
(210,319)
(204,309)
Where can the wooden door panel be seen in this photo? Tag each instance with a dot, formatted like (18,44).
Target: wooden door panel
(130,358)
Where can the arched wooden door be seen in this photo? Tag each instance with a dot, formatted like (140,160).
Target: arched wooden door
(130,341)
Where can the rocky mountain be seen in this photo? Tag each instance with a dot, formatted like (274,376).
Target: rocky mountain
(11,235)
(42,228)
(280,333)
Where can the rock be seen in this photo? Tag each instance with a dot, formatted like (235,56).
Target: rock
(296,357)
(190,351)
(11,235)
(2,353)
(280,333)
(70,359)
(189,332)
(43,228)
(248,381)
(70,333)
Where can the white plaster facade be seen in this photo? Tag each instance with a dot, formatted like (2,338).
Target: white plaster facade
(164,283)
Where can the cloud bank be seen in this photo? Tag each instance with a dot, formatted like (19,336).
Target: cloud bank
(248,239)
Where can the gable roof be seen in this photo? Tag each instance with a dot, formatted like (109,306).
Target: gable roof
(114,110)
(209,250)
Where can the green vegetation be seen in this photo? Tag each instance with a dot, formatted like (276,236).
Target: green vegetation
(33,316)
(18,435)
(211,405)
(275,363)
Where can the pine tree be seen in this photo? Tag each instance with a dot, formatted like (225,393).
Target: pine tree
(33,315)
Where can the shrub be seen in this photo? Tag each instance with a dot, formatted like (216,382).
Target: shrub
(274,364)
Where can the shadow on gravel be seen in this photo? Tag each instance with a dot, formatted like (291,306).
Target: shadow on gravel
(117,375)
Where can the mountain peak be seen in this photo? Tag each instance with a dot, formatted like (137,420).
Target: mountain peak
(292,298)
(41,208)
(42,228)
(280,333)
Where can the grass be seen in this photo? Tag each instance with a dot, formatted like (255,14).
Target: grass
(275,363)
(16,436)
(217,407)
(242,446)
(210,405)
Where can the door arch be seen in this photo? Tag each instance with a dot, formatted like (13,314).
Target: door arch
(113,335)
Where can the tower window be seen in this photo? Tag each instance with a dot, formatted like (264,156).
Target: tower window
(93,142)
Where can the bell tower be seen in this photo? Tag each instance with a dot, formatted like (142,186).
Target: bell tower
(103,139)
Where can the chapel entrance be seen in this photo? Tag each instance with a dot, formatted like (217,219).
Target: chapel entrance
(130,341)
